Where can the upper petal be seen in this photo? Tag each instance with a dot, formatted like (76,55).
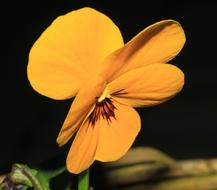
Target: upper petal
(117,135)
(158,43)
(69,52)
(148,85)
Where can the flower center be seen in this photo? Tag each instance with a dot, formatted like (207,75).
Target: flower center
(104,95)
(104,109)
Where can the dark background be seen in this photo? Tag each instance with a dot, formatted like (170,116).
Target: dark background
(184,127)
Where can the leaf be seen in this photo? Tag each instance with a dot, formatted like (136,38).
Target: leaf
(25,177)
(53,173)
(44,177)
(44,181)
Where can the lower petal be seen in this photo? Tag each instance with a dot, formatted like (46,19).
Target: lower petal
(80,108)
(117,135)
(82,151)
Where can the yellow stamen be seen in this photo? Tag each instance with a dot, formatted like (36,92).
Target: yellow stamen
(104,95)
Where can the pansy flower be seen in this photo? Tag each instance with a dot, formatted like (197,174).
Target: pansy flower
(82,55)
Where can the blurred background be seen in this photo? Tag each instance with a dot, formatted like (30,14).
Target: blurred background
(184,127)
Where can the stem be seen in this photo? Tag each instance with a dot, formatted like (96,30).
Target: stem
(83,180)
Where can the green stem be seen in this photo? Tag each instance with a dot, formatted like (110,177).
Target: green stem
(83,180)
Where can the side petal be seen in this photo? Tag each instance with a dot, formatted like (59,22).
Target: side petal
(117,135)
(80,108)
(148,85)
(70,50)
(83,149)
(158,43)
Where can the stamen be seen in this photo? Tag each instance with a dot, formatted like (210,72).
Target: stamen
(103,109)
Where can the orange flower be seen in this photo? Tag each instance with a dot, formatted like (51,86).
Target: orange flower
(82,54)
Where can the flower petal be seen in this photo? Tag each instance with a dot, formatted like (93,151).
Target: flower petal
(148,85)
(117,136)
(82,151)
(158,43)
(69,52)
(80,108)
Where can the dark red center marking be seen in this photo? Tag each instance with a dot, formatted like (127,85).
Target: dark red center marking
(104,109)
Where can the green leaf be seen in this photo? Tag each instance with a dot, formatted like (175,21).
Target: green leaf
(25,177)
(44,177)
(53,173)
(43,180)
(18,175)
